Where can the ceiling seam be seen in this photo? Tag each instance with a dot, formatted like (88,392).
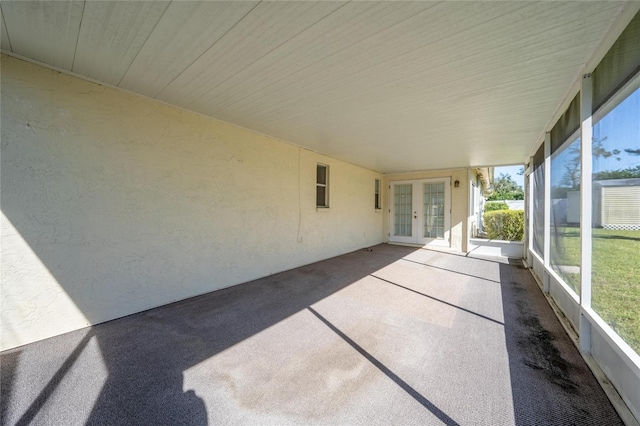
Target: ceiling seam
(206,50)
(264,113)
(377,117)
(271,51)
(400,55)
(335,100)
(339,100)
(430,102)
(145,42)
(502,46)
(73,62)
(4,22)
(335,53)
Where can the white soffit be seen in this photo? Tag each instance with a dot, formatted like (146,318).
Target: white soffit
(392,86)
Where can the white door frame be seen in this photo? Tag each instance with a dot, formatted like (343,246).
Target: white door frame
(417,223)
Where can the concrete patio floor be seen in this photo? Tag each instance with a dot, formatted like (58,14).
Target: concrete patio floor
(395,335)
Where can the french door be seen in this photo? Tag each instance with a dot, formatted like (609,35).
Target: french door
(421,212)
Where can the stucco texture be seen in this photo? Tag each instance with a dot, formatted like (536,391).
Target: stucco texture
(113,203)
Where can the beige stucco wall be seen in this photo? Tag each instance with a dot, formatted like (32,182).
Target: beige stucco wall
(113,203)
(459,202)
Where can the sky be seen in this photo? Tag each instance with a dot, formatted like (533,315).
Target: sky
(619,129)
(510,170)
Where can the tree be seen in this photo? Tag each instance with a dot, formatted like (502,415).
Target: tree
(571,177)
(628,173)
(505,188)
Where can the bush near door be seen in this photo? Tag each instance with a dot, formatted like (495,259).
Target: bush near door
(505,225)
(492,206)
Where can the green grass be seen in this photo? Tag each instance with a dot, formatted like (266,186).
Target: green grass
(615,293)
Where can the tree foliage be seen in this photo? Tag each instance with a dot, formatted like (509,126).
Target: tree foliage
(495,205)
(571,177)
(505,188)
(628,173)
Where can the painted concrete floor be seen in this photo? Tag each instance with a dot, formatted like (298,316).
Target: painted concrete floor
(395,335)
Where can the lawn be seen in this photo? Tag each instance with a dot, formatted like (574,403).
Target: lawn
(615,276)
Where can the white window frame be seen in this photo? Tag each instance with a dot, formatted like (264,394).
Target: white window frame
(377,194)
(323,185)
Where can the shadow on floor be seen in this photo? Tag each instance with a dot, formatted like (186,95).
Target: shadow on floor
(441,296)
(145,354)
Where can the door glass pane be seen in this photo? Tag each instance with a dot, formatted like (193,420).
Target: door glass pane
(433,198)
(403,210)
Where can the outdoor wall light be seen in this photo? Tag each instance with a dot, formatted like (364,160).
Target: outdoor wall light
(456,184)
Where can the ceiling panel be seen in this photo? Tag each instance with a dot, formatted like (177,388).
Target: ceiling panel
(441,90)
(393,86)
(45,31)
(266,27)
(410,94)
(496,46)
(347,26)
(354,64)
(112,34)
(185,32)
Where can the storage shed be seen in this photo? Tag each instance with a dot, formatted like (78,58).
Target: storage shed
(616,204)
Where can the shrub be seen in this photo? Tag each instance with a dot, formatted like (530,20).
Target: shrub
(509,195)
(505,224)
(495,205)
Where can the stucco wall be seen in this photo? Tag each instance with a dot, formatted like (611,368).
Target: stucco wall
(459,202)
(113,203)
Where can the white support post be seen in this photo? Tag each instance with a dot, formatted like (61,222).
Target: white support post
(586,139)
(547,211)
(529,195)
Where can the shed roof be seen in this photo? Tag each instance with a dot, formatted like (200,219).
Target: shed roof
(616,182)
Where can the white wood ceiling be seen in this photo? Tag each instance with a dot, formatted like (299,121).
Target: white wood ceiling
(392,86)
